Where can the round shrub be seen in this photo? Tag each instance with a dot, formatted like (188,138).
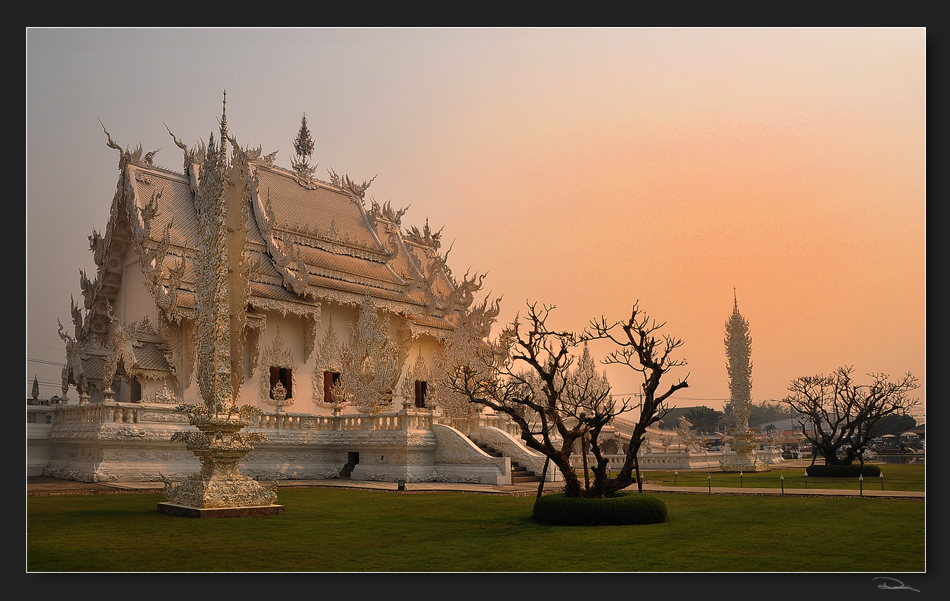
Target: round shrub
(843,471)
(620,509)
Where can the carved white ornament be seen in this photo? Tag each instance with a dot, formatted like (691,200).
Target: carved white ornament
(277,355)
(372,360)
(329,357)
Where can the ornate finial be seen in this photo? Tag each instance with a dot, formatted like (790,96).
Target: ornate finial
(304,147)
(224,112)
(304,143)
(224,125)
(735,299)
(36,388)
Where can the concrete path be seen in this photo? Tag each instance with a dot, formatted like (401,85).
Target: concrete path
(39,486)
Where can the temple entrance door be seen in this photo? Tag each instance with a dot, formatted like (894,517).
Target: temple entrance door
(352,459)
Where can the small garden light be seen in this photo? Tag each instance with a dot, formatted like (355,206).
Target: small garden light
(882,480)
(740,479)
(677,473)
(806,479)
(861,483)
(782,480)
(709,480)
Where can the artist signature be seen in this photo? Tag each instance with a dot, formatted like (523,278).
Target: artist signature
(900,585)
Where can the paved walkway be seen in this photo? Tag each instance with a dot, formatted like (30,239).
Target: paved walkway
(40,486)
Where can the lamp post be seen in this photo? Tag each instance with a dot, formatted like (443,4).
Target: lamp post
(676,473)
(882,480)
(782,480)
(806,479)
(861,483)
(709,481)
(740,478)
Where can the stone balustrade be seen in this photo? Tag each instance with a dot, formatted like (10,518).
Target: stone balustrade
(142,413)
(661,461)
(467,425)
(346,423)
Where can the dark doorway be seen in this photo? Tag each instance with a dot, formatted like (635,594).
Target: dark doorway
(352,459)
(421,389)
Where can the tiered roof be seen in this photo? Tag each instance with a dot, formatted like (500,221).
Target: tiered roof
(307,241)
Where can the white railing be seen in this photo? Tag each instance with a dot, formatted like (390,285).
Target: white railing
(467,425)
(346,423)
(675,460)
(114,412)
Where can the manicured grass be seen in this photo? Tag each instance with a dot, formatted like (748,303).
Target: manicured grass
(345,530)
(896,477)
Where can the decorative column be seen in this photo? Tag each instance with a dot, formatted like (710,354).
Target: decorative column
(219,489)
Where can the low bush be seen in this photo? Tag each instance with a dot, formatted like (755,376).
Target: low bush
(623,508)
(843,471)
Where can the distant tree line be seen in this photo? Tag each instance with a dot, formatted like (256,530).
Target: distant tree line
(764,412)
(893,424)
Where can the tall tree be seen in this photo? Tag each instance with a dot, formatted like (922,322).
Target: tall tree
(529,374)
(641,350)
(838,413)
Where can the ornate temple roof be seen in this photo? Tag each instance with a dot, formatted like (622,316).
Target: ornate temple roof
(307,241)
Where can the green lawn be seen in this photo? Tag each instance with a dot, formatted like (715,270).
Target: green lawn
(346,530)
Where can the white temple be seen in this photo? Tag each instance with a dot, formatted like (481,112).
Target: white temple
(338,319)
(342,315)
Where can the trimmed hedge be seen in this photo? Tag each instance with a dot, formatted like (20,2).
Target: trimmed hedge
(623,508)
(843,471)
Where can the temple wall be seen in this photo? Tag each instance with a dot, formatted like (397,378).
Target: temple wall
(129,442)
(289,329)
(38,450)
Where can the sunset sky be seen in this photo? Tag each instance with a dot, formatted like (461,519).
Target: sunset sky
(581,168)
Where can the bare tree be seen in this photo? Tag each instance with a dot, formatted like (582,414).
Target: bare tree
(529,374)
(836,413)
(641,350)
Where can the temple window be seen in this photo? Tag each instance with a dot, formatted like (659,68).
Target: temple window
(421,387)
(330,379)
(284,375)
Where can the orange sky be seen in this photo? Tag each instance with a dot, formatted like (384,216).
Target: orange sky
(582,168)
